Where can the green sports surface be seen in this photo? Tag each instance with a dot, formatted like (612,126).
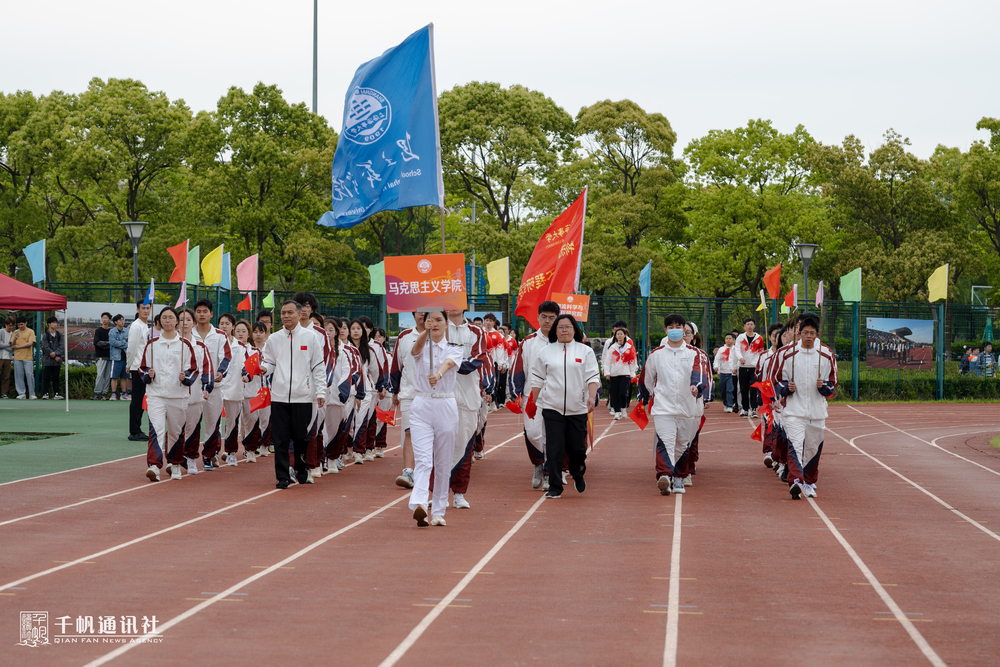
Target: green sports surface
(97,431)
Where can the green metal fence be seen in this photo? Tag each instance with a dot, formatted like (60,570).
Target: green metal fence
(843,329)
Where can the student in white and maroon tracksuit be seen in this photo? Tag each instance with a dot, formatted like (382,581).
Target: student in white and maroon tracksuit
(221,356)
(358,394)
(676,377)
(468,398)
(805,377)
(725,364)
(620,363)
(498,355)
(518,386)
(403,390)
(510,346)
(199,393)
(250,421)
(779,439)
(618,324)
(376,436)
(433,416)
(311,321)
(168,368)
(763,374)
(232,390)
(364,451)
(564,383)
(339,404)
(265,317)
(294,360)
(487,383)
(749,346)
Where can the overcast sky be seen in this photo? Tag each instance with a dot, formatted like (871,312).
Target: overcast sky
(927,69)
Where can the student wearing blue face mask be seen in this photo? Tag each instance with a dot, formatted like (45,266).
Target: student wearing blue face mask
(676,378)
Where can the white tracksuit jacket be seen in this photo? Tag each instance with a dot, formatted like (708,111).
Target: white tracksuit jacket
(294,360)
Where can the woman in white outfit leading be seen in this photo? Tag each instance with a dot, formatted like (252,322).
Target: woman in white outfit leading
(433,417)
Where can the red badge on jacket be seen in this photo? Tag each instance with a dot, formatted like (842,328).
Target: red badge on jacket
(304,347)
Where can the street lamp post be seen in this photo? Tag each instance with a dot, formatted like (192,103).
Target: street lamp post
(806,252)
(135,230)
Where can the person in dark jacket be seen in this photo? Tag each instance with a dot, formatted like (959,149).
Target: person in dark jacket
(53,350)
(102,353)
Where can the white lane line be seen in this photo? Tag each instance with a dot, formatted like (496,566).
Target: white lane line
(926,442)
(674,594)
(602,436)
(28,479)
(131,542)
(914,484)
(503,443)
(147,485)
(897,612)
(439,608)
(242,584)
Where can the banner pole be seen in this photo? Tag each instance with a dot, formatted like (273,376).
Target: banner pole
(443,251)
(855,325)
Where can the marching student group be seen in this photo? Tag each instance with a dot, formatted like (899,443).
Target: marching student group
(318,392)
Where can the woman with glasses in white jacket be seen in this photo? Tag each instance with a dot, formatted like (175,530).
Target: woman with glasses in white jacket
(564,383)
(620,364)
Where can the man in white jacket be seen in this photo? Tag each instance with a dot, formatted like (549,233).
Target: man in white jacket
(804,376)
(293,357)
(725,365)
(138,336)
(677,376)
(749,347)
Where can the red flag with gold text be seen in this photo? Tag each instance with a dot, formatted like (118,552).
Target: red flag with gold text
(555,263)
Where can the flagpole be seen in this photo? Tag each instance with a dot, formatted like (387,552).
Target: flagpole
(443,251)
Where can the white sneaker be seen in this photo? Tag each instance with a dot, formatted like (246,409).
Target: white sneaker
(678,485)
(727,409)
(795,489)
(611,411)
(420,514)
(545,484)
(291,473)
(316,473)
(438,521)
(537,477)
(460,502)
(810,490)
(153,474)
(618,415)
(379,453)
(359,459)
(768,461)
(565,477)
(369,456)
(231,459)
(175,471)
(338,463)
(753,414)
(405,479)
(32,397)
(664,485)
(309,477)
(743,413)
(478,456)
(251,457)
(689,481)
(331,467)
(57,397)
(192,466)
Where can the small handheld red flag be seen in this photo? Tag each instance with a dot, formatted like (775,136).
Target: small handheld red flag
(262,400)
(757,433)
(639,416)
(252,364)
(772,281)
(514,406)
(144,407)
(245,304)
(530,408)
(385,416)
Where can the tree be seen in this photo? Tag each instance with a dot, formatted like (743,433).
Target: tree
(978,195)
(496,143)
(752,199)
(21,220)
(634,207)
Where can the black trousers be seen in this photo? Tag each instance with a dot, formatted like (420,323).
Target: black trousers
(290,425)
(50,378)
(565,435)
(750,397)
(500,395)
(135,407)
(619,392)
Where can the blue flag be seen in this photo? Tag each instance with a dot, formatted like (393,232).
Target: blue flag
(35,254)
(389,153)
(150,295)
(645,278)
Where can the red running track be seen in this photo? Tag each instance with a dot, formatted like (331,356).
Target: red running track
(338,571)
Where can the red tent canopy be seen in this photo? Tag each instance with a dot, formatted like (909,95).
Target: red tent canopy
(15,295)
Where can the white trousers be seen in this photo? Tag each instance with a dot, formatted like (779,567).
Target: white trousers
(166,428)
(231,437)
(535,430)
(432,432)
(676,434)
(364,413)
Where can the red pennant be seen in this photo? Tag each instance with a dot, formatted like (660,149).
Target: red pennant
(252,364)
(530,408)
(262,400)
(772,281)
(514,407)
(639,416)
(245,304)
(385,416)
(635,380)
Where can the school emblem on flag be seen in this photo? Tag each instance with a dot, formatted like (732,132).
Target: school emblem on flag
(369,116)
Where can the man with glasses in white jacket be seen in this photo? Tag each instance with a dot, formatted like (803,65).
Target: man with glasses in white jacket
(293,358)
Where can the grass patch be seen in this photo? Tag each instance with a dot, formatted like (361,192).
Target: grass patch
(9,438)
(995,442)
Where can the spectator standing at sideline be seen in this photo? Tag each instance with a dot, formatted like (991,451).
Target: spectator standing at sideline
(118,339)
(23,344)
(138,335)
(986,364)
(102,353)
(53,351)
(6,355)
